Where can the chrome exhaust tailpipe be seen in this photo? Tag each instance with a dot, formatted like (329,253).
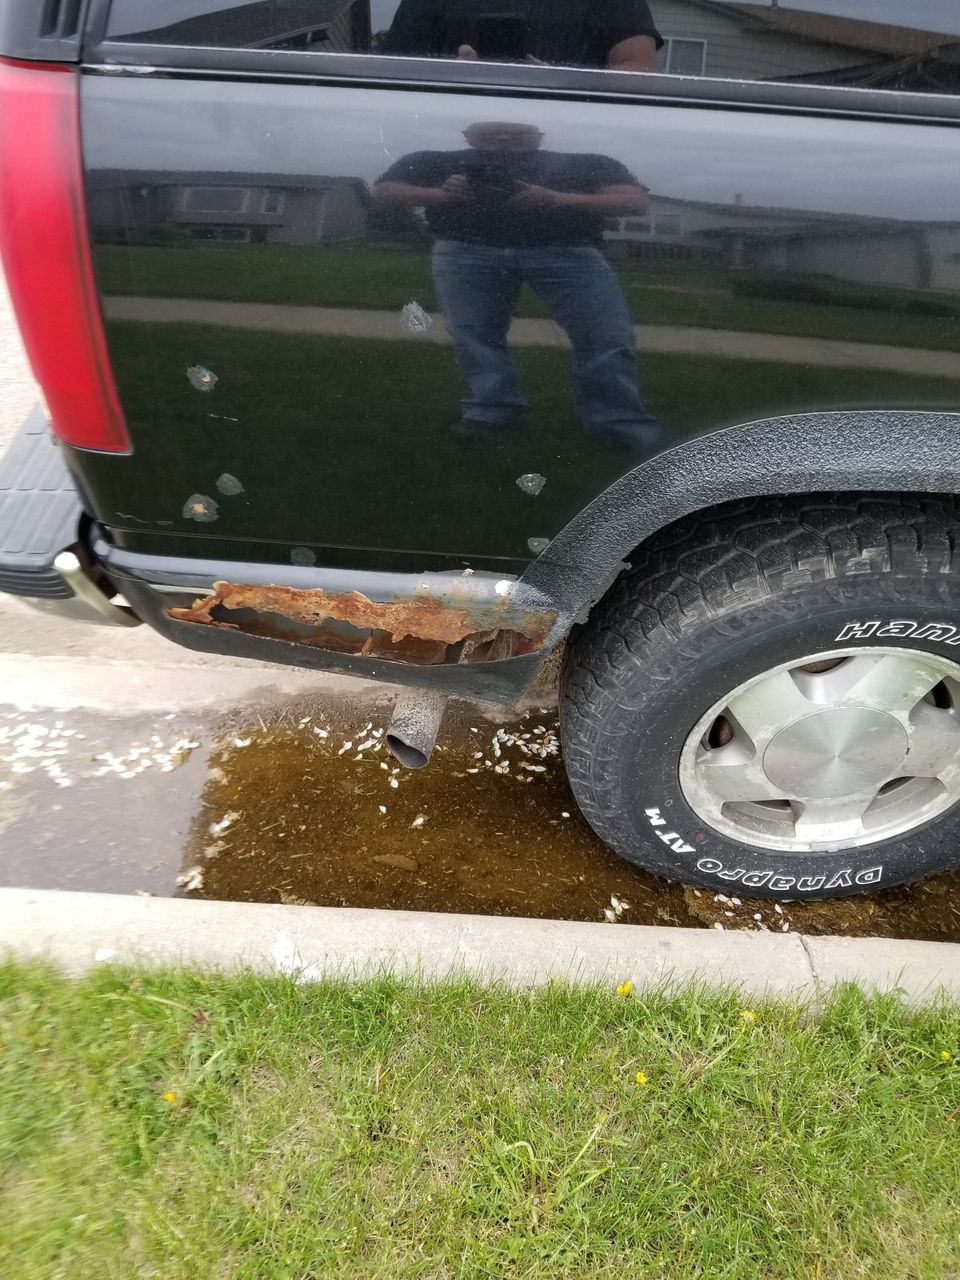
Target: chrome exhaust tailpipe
(417,716)
(93,605)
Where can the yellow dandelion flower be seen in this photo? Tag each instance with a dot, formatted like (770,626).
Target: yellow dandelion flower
(641,1077)
(945,1056)
(748,1017)
(624,988)
(169,1097)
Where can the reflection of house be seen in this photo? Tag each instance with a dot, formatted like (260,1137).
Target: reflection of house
(272,208)
(761,41)
(323,25)
(847,246)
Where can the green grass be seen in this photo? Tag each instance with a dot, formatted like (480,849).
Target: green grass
(209,1127)
(672,293)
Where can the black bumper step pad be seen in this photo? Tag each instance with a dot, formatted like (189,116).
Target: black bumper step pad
(39,512)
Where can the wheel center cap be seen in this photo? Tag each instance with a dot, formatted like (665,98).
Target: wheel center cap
(836,752)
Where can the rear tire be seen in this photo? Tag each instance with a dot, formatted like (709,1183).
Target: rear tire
(817,637)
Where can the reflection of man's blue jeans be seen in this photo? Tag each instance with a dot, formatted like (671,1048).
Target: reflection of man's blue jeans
(478,287)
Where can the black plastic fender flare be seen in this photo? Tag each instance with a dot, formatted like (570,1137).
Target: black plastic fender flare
(883,451)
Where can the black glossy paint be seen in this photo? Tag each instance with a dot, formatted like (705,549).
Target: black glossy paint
(787,264)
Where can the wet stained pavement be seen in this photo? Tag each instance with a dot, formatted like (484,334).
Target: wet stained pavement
(294,805)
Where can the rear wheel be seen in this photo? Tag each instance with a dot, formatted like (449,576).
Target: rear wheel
(769,701)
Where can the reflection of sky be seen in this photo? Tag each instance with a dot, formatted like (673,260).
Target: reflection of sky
(927,15)
(894,171)
(381,13)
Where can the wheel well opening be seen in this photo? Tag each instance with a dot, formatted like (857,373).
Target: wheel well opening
(827,521)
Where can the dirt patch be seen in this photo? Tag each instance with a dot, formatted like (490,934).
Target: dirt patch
(316,813)
(930,910)
(490,827)
(288,805)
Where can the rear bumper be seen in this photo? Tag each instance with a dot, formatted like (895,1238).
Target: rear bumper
(42,559)
(470,635)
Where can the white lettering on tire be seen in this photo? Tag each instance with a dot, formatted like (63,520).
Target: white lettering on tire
(844,879)
(772,879)
(857,631)
(902,629)
(873,876)
(671,838)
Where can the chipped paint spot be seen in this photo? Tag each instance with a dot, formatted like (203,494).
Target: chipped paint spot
(229,485)
(537,545)
(200,508)
(414,319)
(302,555)
(200,378)
(531,483)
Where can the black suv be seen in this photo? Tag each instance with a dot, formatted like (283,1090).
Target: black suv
(414,354)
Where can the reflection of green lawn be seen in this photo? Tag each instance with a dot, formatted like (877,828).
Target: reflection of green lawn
(344,443)
(356,276)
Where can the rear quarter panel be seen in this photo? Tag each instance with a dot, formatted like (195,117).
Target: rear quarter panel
(258,301)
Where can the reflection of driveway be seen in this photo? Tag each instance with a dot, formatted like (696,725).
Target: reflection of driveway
(345,322)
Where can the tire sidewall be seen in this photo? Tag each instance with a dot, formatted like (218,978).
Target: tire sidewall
(653,727)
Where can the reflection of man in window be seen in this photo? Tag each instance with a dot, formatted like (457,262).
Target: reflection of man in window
(619,34)
(504,213)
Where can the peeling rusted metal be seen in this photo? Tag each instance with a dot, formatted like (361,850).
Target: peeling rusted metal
(422,630)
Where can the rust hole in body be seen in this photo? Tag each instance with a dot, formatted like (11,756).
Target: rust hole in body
(422,630)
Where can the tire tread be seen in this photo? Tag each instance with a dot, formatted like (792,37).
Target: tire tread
(698,575)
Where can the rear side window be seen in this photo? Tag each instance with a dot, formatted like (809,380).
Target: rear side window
(877,44)
(330,26)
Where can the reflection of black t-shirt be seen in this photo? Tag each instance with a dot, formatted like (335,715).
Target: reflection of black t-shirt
(486,217)
(577,33)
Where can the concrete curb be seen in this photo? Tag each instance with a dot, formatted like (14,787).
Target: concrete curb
(79,930)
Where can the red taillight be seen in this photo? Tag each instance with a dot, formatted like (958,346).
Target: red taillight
(46,253)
